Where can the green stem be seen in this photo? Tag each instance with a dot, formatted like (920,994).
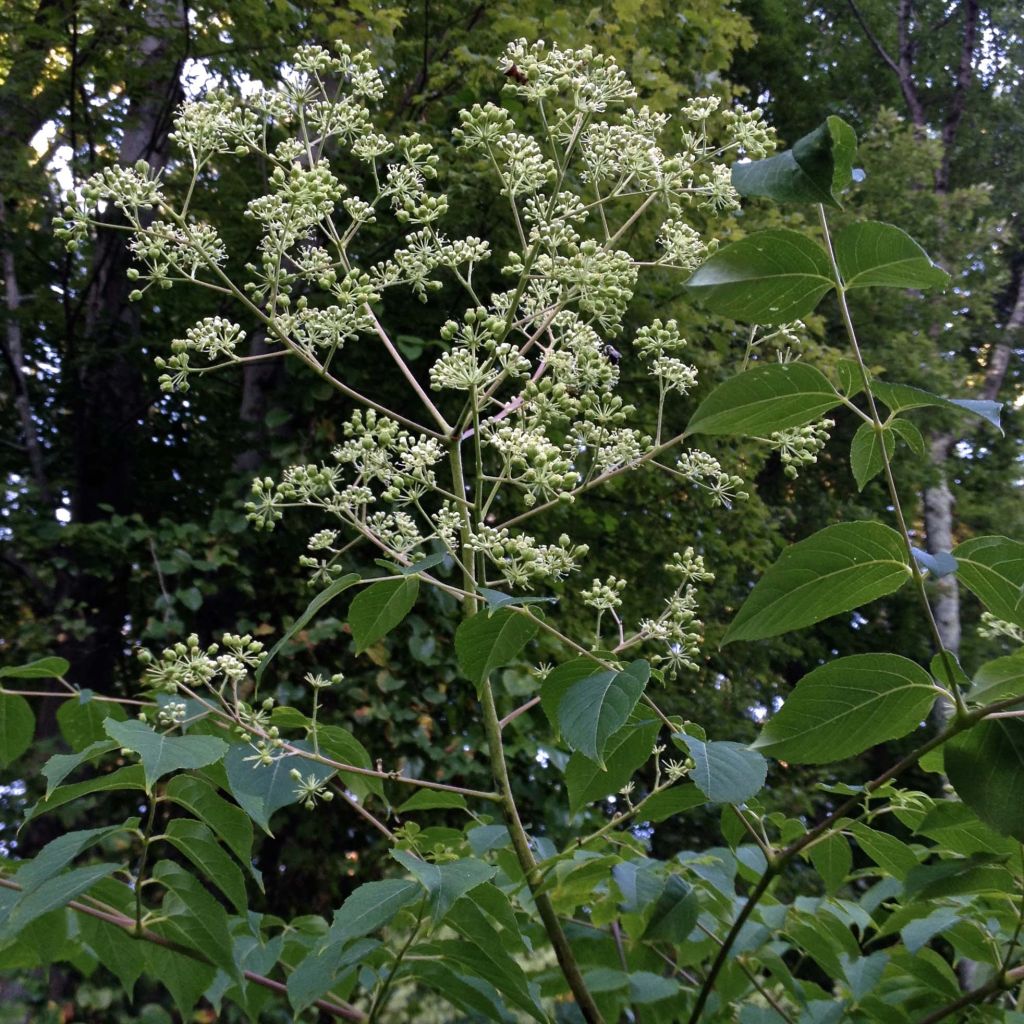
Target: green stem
(381,998)
(879,428)
(143,858)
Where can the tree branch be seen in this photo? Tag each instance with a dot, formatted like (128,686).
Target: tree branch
(964,77)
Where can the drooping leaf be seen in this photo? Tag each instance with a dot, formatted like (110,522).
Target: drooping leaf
(54,892)
(871,254)
(815,170)
(992,568)
(129,777)
(626,752)
(200,846)
(836,570)
(725,772)
(340,745)
(445,883)
(892,855)
(985,766)
(184,977)
(325,596)
(370,907)
(675,913)
(60,852)
(41,668)
(432,800)
(769,277)
(998,679)
(81,719)
(60,766)
(229,822)
(162,753)
(767,398)
(866,452)
(486,642)
(113,947)
(318,972)
(380,607)
(17,727)
(848,706)
(472,995)
(594,708)
(263,789)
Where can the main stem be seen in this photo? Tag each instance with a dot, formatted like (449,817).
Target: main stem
(499,767)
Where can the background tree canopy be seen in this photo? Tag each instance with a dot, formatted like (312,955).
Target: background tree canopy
(122,524)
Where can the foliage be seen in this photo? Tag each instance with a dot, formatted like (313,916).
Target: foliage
(525,423)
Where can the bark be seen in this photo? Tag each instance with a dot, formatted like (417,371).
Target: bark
(938,527)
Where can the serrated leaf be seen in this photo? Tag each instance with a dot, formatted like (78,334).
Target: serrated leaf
(322,599)
(185,978)
(998,679)
(889,853)
(848,706)
(340,745)
(432,800)
(263,789)
(670,802)
(60,766)
(50,894)
(200,846)
(985,766)
(833,860)
(767,398)
(866,459)
(41,668)
(836,570)
(557,683)
(872,254)
(317,973)
(594,708)
(992,568)
(60,852)
(380,607)
(130,777)
(113,947)
(162,753)
(81,720)
(371,907)
(675,913)
(909,432)
(445,883)
(956,828)
(484,643)
(817,168)
(17,727)
(769,277)
(725,772)
(229,822)
(627,751)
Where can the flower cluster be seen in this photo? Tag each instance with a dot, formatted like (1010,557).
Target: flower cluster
(191,665)
(799,446)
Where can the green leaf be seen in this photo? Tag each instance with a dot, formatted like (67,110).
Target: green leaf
(899,397)
(190,597)
(848,706)
(558,682)
(229,822)
(985,766)
(200,846)
(725,772)
(60,852)
(484,643)
(670,802)
(162,753)
(81,720)
(475,997)
(594,708)
(992,568)
(836,570)
(998,679)
(432,800)
(871,254)
(675,913)
(17,727)
(833,860)
(60,766)
(815,170)
(767,398)
(956,828)
(113,947)
(263,789)
(769,277)
(325,596)
(626,751)
(866,449)
(445,883)
(54,892)
(370,907)
(496,599)
(41,668)
(888,852)
(318,972)
(909,432)
(182,976)
(130,777)
(340,745)
(192,917)
(379,608)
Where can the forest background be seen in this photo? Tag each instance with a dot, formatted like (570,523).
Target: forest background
(121,522)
